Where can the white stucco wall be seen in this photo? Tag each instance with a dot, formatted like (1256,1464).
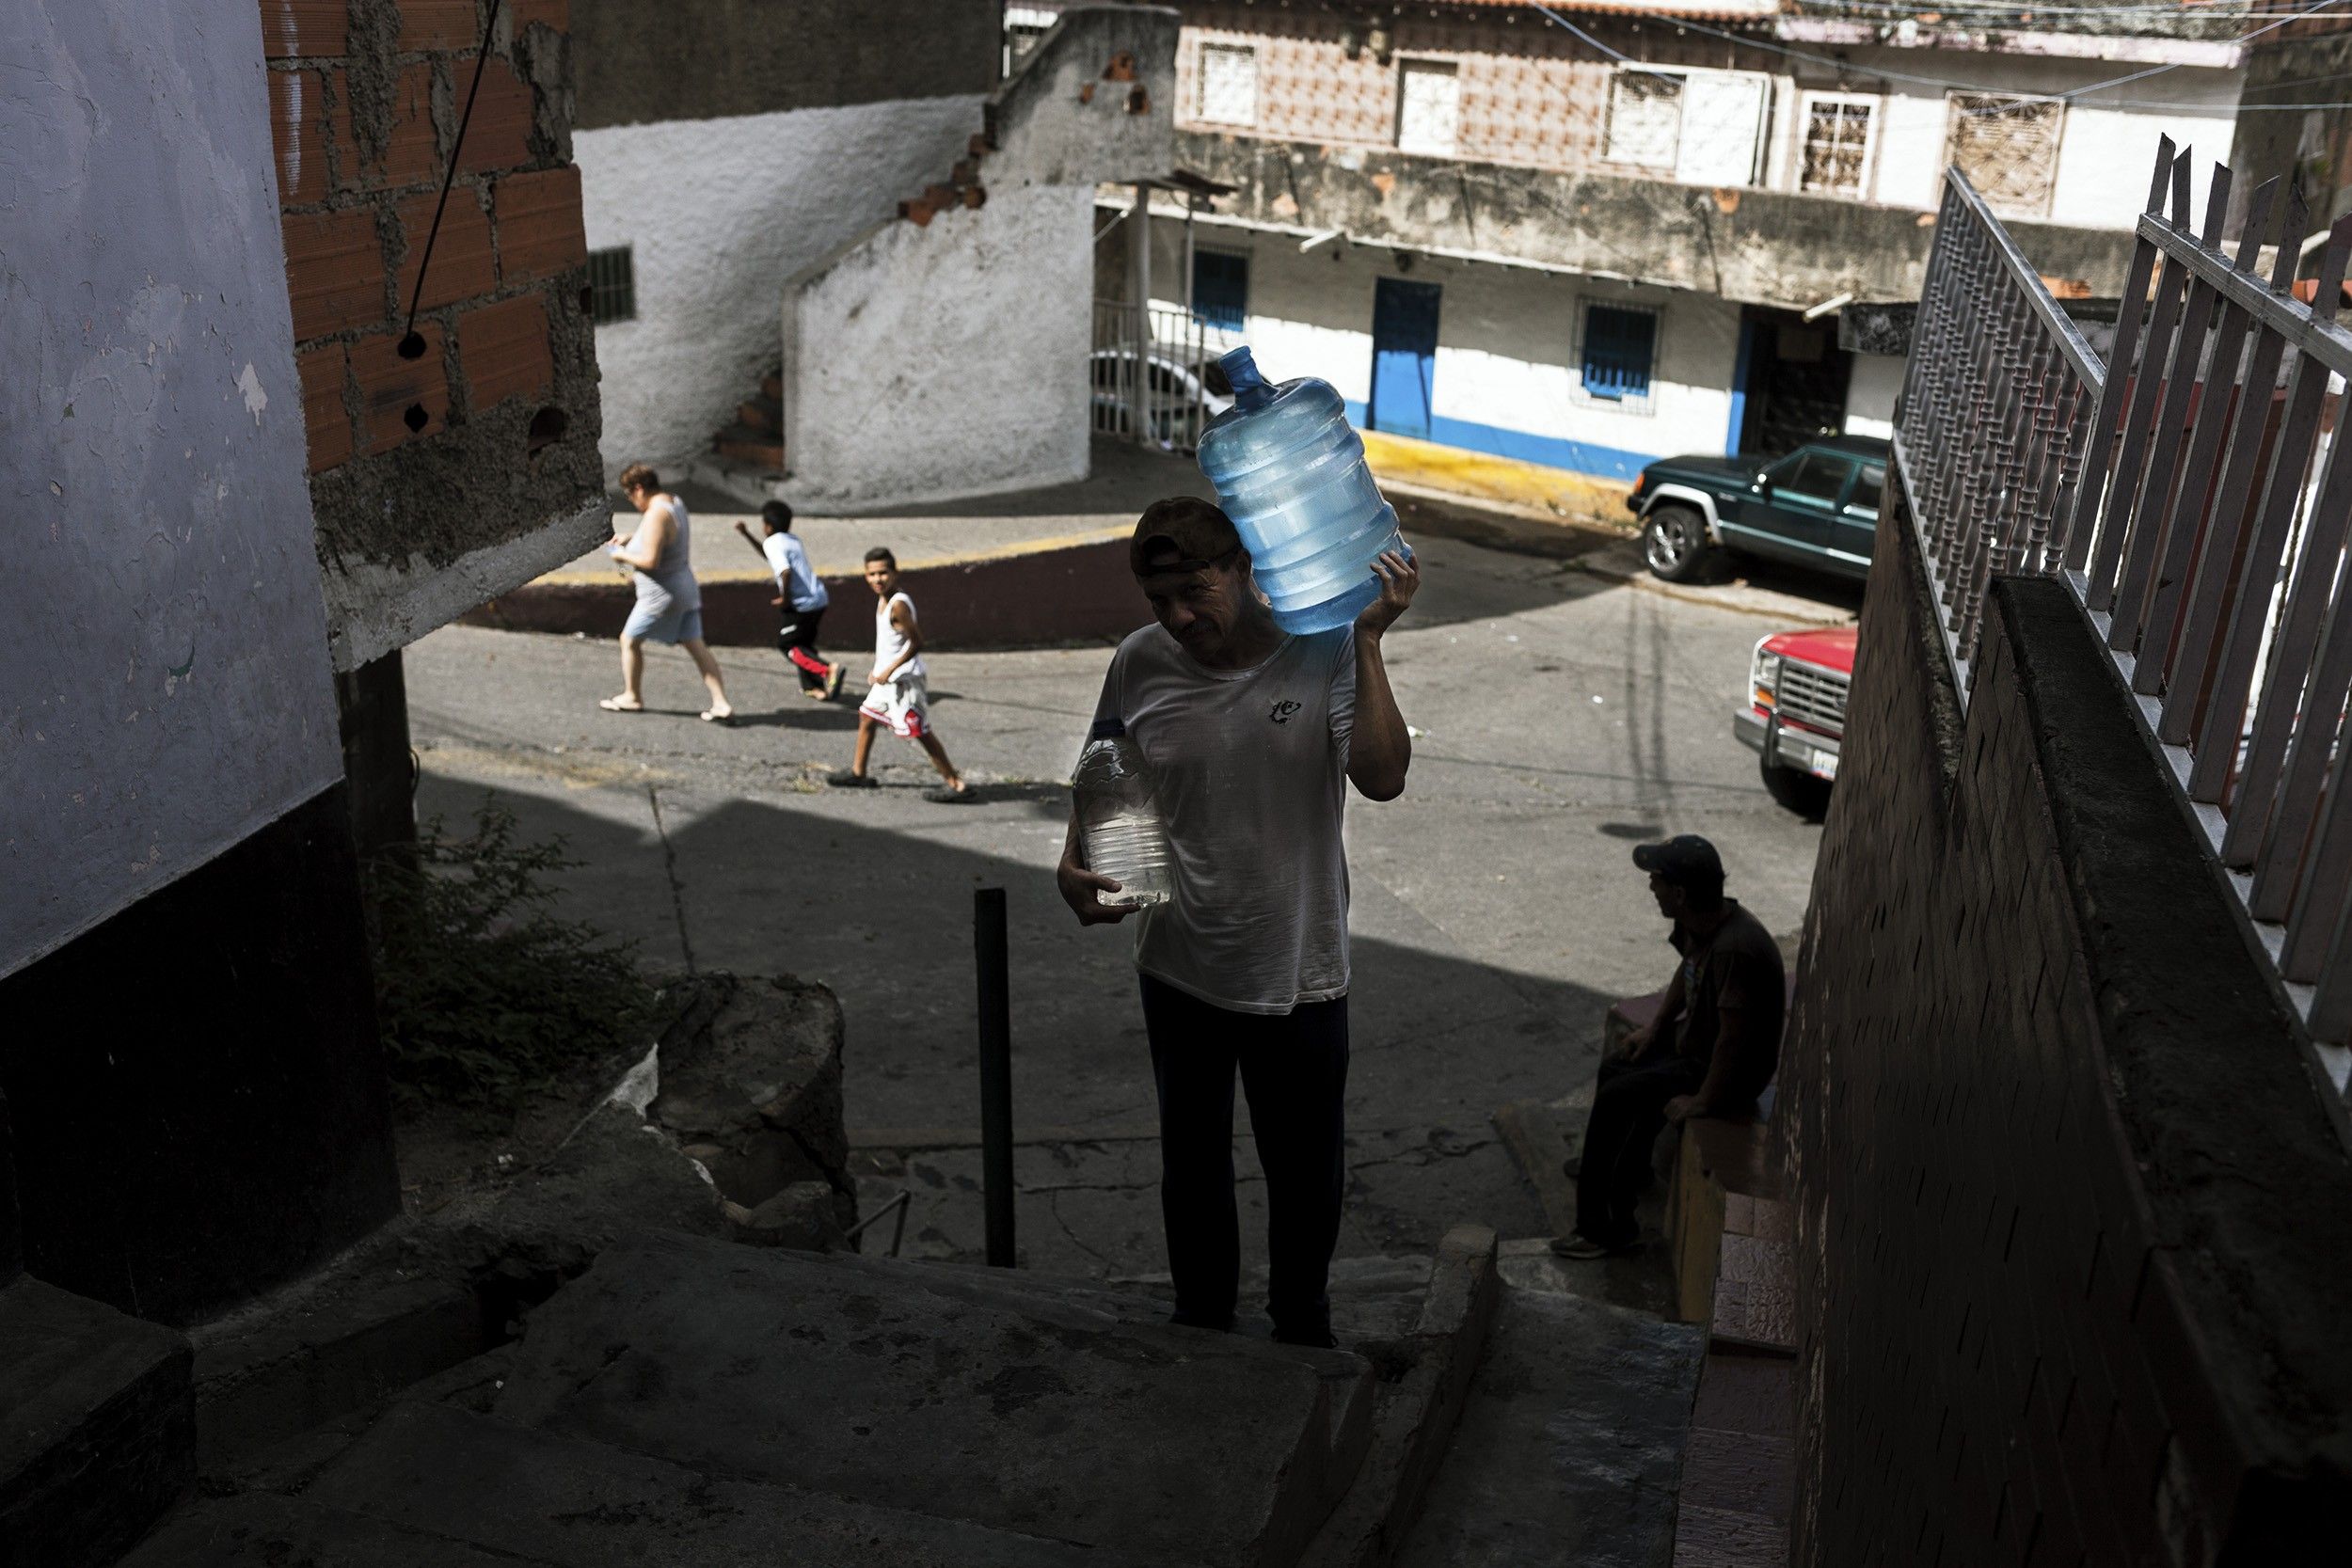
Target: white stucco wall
(1509,347)
(163,680)
(1877,381)
(719,214)
(946,359)
(2106,145)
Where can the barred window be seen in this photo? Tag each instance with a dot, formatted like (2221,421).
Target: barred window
(1837,137)
(612,285)
(1620,355)
(2007,147)
(1228,84)
(1429,106)
(1645,118)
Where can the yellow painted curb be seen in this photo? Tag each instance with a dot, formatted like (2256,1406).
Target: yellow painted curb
(1427,466)
(576,574)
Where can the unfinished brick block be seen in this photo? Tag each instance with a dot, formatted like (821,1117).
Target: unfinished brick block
(402,399)
(539,230)
(292,27)
(439,25)
(299,130)
(411,153)
(502,351)
(323,416)
(464,262)
(499,135)
(554,13)
(334,272)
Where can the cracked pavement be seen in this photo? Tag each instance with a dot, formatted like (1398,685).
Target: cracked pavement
(1495,912)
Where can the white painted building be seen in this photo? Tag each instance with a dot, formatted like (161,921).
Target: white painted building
(1394,169)
(837,259)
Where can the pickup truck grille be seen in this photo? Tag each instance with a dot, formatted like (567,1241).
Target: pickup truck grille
(1813,696)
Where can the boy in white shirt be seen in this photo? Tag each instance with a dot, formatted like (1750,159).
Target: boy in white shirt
(800,595)
(899,695)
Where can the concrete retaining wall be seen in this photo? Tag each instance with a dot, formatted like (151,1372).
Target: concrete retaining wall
(943,353)
(2076,1233)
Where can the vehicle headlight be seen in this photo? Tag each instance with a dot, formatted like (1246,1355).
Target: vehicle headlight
(1764,677)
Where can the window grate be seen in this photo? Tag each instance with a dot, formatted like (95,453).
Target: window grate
(1220,288)
(1837,146)
(1228,84)
(1620,351)
(2007,147)
(612,285)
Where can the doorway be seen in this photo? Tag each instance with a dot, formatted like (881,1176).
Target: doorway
(1404,356)
(1792,382)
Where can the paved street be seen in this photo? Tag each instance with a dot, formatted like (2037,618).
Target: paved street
(1564,716)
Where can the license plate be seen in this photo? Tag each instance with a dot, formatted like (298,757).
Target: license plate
(1795,754)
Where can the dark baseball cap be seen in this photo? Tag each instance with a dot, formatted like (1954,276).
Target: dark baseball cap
(1685,860)
(1196,532)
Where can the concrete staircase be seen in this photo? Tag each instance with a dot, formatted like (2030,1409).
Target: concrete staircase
(692,1401)
(755,442)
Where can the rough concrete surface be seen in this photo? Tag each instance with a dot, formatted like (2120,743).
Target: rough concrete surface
(1495,912)
(785,1367)
(98,1431)
(1571,1445)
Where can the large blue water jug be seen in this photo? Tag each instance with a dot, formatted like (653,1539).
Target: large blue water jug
(1290,473)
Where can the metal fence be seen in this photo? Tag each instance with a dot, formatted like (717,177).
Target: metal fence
(2194,495)
(1153,376)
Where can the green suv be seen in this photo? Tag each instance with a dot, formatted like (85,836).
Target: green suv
(1817,507)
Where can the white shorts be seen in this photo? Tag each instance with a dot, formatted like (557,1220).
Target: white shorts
(903,704)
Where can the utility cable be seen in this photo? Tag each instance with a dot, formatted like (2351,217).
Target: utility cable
(412,342)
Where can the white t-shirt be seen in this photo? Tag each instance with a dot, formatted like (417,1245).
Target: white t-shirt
(889,641)
(1250,767)
(796,579)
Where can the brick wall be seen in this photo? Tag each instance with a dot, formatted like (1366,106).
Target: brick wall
(490,433)
(2075,1233)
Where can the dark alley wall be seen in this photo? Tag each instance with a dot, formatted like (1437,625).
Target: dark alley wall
(2075,1234)
(703,59)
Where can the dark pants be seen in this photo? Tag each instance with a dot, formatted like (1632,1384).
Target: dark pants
(1293,1068)
(797,636)
(1629,1111)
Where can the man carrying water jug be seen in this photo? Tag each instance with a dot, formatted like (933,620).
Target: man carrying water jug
(1250,736)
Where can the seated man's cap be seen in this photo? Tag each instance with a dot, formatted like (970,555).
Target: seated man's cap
(1682,859)
(1199,532)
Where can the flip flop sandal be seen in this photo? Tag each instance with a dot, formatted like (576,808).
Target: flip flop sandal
(613,705)
(708,716)
(841,778)
(940,795)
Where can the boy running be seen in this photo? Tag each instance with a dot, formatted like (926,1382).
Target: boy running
(898,696)
(800,595)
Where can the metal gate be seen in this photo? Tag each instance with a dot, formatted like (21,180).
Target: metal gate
(1153,376)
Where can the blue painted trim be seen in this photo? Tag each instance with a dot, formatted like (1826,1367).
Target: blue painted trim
(1551,451)
(1739,388)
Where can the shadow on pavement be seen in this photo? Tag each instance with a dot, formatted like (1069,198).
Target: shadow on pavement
(883,915)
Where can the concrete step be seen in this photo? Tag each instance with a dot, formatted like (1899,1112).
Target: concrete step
(100,1430)
(1739,1474)
(988,1405)
(1092,1307)
(746,444)
(439,1487)
(1571,1443)
(761,413)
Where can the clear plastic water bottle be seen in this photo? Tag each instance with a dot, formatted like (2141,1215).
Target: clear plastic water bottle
(1290,473)
(1118,819)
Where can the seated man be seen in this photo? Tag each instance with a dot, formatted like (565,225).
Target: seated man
(1714,1046)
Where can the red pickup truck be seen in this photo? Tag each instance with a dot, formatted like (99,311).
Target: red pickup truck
(1794,717)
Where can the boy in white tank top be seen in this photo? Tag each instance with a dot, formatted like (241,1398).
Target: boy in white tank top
(899,695)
